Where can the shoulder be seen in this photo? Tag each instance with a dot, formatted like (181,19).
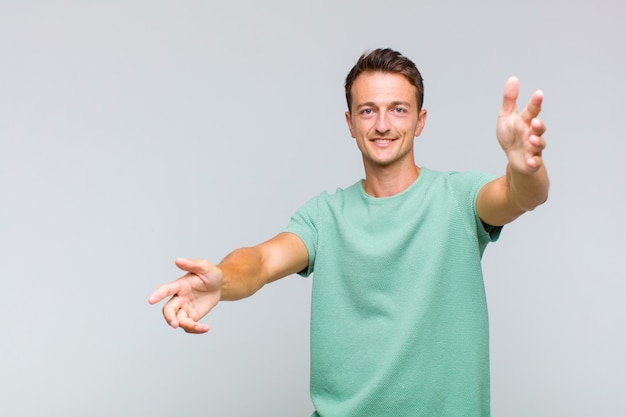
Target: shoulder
(326,202)
(338,196)
(462,187)
(458,180)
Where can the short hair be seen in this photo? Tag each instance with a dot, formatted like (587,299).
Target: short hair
(386,61)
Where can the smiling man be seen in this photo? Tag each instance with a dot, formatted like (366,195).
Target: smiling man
(384,118)
(398,314)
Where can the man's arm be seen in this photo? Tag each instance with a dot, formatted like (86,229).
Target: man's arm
(525,184)
(242,273)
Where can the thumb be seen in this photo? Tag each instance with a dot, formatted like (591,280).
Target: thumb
(509,98)
(195,266)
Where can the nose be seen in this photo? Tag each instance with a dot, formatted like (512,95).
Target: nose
(382,123)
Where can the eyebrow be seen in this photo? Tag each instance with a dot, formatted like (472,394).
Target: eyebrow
(392,104)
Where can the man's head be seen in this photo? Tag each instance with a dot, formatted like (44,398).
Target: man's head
(385,61)
(384,92)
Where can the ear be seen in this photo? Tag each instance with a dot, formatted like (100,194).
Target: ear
(421,121)
(349,122)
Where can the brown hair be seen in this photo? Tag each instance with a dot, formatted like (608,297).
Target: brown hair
(386,61)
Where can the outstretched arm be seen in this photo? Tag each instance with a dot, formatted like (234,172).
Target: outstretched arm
(239,275)
(525,184)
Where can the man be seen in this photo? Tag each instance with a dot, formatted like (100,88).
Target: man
(398,314)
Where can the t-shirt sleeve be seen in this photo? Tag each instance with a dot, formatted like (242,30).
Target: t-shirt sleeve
(466,187)
(304,225)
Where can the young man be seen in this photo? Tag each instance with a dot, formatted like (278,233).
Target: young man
(398,314)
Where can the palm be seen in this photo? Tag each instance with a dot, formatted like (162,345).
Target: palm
(198,293)
(520,133)
(192,296)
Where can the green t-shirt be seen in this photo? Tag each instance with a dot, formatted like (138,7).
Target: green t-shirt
(399,321)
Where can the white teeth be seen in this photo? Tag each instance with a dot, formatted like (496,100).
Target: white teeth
(382,140)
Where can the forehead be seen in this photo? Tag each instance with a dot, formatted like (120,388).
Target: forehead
(379,87)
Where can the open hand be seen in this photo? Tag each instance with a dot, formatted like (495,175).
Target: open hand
(192,296)
(520,134)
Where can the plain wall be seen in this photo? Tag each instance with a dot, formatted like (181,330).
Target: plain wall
(135,132)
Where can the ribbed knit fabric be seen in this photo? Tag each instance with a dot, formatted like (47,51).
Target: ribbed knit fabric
(399,321)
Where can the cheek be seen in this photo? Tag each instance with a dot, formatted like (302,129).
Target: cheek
(354,129)
(408,128)
(363,128)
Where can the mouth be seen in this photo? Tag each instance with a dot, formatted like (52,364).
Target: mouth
(382,141)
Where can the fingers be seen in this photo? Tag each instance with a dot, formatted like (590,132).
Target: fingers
(167,290)
(534,159)
(537,127)
(535,138)
(509,98)
(171,311)
(536,144)
(189,325)
(176,316)
(185,299)
(534,162)
(164,291)
(533,107)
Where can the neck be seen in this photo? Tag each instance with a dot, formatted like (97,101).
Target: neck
(389,181)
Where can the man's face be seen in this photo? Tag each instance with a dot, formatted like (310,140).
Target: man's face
(384,118)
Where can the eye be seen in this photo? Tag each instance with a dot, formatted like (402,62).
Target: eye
(399,110)
(367,111)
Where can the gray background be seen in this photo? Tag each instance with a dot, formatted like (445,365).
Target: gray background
(136,132)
